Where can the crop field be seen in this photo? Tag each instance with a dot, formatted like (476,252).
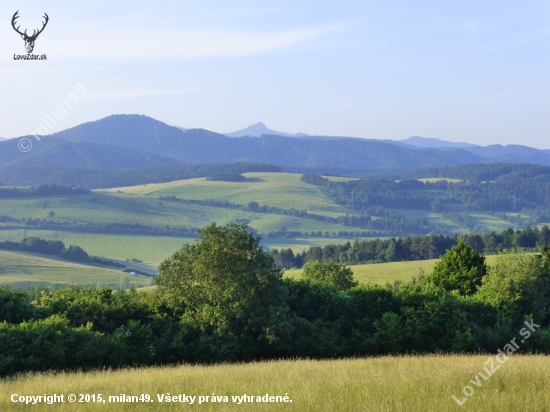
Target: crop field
(398,383)
(21,270)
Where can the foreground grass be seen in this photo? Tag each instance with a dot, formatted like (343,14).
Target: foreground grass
(403,383)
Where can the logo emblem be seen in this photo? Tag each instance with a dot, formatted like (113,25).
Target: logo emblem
(29,40)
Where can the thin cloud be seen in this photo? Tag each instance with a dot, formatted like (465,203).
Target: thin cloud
(132,94)
(183,44)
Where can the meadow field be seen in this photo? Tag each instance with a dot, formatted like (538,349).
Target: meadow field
(283,190)
(21,270)
(150,249)
(390,383)
(380,273)
(45,270)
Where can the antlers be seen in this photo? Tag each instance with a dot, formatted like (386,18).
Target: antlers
(43,25)
(15,17)
(34,34)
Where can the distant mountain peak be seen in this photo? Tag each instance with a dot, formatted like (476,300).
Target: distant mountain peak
(258,129)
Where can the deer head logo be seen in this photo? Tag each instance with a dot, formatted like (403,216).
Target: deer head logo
(29,40)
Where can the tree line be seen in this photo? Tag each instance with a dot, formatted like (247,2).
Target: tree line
(223,300)
(526,188)
(108,178)
(409,248)
(94,227)
(56,248)
(41,190)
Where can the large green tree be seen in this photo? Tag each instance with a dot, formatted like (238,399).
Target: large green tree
(330,272)
(227,284)
(461,269)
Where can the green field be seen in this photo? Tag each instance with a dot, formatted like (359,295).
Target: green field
(282,190)
(140,204)
(150,249)
(21,270)
(401,383)
(380,273)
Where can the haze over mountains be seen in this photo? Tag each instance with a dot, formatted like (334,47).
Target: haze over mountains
(259,129)
(434,143)
(135,141)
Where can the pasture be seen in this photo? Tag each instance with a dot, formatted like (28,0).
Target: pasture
(150,249)
(282,190)
(380,273)
(21,270)
(391,383)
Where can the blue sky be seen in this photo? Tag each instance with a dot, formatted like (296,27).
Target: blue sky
(474,71)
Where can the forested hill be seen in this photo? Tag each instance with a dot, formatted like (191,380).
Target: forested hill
(202,146)
(135,141)
(484,172)
(510,193)
(55,151)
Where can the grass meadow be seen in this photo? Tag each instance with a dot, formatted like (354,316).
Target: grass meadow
(283,190)
(150,249)
(21,270)
(380,273)
(393,383)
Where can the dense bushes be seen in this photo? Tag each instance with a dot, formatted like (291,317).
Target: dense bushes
(205,312)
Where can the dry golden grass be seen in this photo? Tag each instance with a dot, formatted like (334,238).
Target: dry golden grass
(402,383)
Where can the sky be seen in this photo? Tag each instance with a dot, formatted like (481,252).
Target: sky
(471,70)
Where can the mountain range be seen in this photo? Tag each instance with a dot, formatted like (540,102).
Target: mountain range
(434,143)
(136,141)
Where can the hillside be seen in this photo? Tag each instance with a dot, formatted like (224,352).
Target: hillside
(55,151)
(105,178)
(137,141)
(434,143)
(512,153)
(19,269)
(201,146)
(149,222)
